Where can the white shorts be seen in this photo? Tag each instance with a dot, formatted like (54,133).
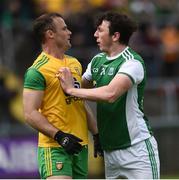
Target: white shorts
(140,161)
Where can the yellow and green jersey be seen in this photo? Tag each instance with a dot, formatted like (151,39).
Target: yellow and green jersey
(65,112)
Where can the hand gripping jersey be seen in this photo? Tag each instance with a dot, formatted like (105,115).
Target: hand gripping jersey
(121,123)
(63,111)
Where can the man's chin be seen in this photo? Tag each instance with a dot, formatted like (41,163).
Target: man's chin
(68,47)
(101,49)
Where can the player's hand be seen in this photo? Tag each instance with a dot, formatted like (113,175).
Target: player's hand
(97,146)
(69,142)
(66,79)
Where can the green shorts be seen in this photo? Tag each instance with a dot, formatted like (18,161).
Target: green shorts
(55,162)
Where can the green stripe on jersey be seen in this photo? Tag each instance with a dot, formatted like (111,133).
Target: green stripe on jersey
(41,62)
(152,159)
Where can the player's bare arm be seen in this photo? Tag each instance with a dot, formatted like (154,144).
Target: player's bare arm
(92,126)
(118,86)
(32,101)
(91,120)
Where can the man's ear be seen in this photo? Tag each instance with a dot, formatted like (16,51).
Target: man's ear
(49,34)
(116,36)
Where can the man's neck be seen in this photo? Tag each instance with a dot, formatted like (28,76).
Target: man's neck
(115,50)
(53,51)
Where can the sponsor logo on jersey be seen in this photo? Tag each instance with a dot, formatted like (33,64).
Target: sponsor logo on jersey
(111,71)
(71,99)
(76,83)
(95,70)
(103,71)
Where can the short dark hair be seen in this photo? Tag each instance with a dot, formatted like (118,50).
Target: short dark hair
(44,23)
(118,23)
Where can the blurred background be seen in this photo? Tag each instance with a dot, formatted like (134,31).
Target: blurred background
(157,40)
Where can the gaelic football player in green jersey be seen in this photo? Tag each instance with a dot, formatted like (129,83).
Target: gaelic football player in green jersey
(119,74)
(61,119)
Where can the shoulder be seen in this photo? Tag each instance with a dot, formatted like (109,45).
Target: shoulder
(133,56)
(32,72)
(34,79)
(133,66)
(73,60)
(98,59)
(41,61)
(74,64)
(99,55)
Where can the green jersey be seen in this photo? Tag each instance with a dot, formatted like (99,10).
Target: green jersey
(122,123)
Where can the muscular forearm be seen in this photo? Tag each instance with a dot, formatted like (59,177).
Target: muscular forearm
(96,94)
(40,123)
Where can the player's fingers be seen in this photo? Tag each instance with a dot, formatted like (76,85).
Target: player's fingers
(76,138)
(63,69)
(58,74)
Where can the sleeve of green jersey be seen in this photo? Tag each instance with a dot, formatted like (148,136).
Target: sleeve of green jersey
(33,79)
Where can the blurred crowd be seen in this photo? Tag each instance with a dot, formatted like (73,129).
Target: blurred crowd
(157,38)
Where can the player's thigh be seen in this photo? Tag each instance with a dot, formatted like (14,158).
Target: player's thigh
(138,161)
(80,164)
(54,162)
(148,166)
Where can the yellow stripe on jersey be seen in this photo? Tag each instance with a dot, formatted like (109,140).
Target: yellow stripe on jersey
(46,161)
(50,161)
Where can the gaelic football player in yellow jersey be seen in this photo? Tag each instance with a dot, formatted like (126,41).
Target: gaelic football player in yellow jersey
(62,120)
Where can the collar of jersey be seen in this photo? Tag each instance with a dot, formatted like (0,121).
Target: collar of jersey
(52,57)
(114,57)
